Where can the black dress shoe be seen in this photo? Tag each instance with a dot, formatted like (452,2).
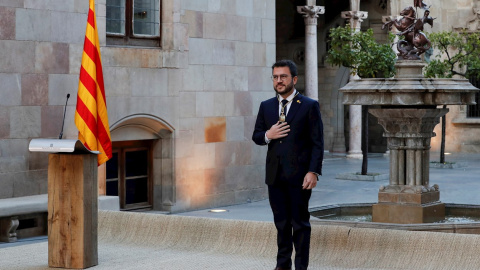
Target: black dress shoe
(280,268)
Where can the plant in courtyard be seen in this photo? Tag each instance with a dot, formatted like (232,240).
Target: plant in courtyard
(360,52)
(459,55)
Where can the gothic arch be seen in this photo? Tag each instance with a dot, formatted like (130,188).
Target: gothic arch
(140,127)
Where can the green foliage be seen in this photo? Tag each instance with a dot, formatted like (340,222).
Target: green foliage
(361,53)
(460,55)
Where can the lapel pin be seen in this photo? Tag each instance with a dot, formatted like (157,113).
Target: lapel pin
(298,101)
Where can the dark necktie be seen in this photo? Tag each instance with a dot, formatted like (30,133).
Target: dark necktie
(284,104)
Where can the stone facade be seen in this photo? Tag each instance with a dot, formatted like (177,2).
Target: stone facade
(196,95)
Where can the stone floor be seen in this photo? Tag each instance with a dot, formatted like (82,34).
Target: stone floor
(457,185)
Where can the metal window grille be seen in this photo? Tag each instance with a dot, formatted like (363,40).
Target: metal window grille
(473,111)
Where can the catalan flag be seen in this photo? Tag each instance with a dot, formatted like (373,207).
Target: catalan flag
(91,116)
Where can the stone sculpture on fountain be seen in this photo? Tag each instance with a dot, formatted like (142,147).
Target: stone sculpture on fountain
(414,42)
(406,107)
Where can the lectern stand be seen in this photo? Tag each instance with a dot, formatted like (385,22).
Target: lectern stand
(72,203)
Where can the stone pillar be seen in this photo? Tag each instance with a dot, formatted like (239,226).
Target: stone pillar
(408,198)
(310,13)
(355,141)
(354,4)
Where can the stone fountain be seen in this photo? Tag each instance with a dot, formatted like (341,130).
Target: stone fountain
(406,107)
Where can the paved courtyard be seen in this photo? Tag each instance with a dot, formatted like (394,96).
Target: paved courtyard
(458,185)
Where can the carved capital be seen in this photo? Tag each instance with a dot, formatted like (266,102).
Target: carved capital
(355,17)
(408,123)
(310,13)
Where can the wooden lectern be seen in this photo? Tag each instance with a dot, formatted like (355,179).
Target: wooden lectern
(72,203)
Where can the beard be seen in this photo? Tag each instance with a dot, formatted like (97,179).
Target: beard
(288,88)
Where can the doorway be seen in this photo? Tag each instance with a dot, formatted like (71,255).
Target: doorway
(129,174)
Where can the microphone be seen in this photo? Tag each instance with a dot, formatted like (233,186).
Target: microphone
(63,122)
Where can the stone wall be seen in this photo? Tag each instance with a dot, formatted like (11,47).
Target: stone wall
(231,49)
(203,86)
(39,42)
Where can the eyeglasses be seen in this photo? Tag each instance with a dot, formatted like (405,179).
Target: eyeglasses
(282,77)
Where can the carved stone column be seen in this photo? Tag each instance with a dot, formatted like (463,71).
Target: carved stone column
(408,198)
(355,139)
(354,4)
(310,13)
(355,142)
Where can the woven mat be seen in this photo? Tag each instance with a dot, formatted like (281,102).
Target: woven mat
(149,241)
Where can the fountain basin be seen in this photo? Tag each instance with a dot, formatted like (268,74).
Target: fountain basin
(460,218)
(409,88)
(403,92)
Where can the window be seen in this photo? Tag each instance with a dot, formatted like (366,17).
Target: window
(473,111)
(133,22)
(129,174)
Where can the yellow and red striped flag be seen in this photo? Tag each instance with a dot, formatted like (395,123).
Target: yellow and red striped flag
(91,116)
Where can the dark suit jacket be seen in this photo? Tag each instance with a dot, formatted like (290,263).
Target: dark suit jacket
(301,151)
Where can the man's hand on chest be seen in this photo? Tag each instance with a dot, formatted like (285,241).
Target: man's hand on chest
(277,131)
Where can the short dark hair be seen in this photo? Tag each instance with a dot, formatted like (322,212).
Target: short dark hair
(287,63)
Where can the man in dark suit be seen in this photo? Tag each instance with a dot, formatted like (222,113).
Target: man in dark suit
(292,127)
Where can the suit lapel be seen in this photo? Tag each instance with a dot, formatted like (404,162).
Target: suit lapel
(296,104)
(272,113)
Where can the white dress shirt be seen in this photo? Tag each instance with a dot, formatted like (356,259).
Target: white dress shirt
(287,109)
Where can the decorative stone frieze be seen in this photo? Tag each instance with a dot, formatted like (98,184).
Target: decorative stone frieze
(472,23)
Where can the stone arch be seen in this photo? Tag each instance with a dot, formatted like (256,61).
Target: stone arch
(149,127)
(140,127)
